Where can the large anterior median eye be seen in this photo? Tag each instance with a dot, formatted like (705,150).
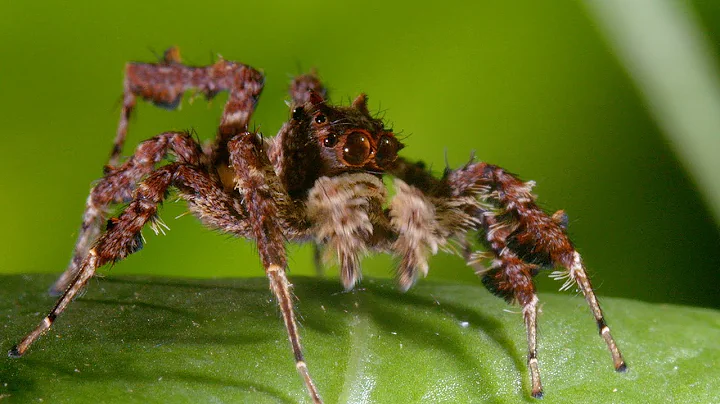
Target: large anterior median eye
(356,149)
(387,150)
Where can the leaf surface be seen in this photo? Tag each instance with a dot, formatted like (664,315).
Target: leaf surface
(139,339)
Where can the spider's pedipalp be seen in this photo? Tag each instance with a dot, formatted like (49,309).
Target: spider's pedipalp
(118,185)
(346,212)
(413,216)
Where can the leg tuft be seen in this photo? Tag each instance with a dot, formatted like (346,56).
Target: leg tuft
(14,353)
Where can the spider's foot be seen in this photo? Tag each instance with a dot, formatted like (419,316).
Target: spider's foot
(14,353)
(622,368)
(537,394)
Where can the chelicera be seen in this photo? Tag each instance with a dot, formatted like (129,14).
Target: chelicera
(318,181)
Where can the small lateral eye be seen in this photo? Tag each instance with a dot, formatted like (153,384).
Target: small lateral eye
(297,113)
(330,141)
(320,119)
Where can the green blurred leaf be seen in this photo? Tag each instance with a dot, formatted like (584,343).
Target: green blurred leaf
(177,340)
(668,54)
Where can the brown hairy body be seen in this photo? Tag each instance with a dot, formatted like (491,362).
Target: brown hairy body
(320,181)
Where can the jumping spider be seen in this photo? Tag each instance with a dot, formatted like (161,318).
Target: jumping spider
(319,180)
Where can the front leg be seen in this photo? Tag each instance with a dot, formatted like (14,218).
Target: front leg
(265,200)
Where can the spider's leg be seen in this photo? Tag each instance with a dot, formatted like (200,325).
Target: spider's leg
(425,219)
(578,275)
(302,85)
(206,199)
(517,228)
(519,235)
(265,200)
(510,277)
(117,186)
(164,84)
(122,239)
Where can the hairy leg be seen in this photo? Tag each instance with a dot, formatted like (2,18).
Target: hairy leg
(123,236)
(525,239)
(521,238)
(117,186)
(165,83)
(122,239)
(265,198)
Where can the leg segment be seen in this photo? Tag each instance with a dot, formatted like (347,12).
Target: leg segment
(520,237)
(117,187)
(530,316)
(165,83)
(511,278)
(263,194)
(577,273)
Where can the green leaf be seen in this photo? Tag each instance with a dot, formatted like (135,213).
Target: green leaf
(177,340)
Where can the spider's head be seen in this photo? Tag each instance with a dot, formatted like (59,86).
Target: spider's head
(348,138)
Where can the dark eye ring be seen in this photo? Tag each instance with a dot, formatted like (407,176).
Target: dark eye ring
(330,141)
(320,119)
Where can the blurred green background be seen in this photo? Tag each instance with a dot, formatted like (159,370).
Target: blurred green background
(535,88)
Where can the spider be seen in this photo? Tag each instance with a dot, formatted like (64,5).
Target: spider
(319,181)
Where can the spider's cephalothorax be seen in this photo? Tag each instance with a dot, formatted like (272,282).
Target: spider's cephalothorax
(319,180)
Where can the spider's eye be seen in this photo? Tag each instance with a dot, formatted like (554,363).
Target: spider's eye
(297,113)
(356,149)
(320,119)
(330,141)
(387,150)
